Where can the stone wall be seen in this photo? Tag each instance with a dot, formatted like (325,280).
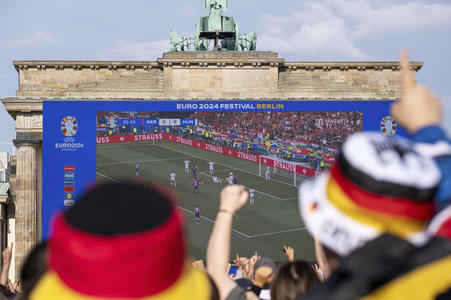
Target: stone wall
(212,74)
(190,75)
(346,80)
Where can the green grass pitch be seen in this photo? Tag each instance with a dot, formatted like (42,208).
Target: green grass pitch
(266,226)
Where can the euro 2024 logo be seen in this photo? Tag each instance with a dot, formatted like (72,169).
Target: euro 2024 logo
(69,126)
(388,126)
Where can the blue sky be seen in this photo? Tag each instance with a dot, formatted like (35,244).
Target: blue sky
(308,30)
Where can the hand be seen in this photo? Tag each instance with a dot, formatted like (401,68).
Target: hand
(233,197)
(199,264)
(7,253)
(241,262)
(19,287)
(254,259)
(418,107)
(318,272)
(289,252)
(10,286)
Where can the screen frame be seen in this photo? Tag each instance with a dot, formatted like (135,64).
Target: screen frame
(66,156)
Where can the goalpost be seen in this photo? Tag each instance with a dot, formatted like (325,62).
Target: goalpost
(279,167)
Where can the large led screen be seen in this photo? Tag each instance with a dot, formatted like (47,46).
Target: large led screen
(270,147)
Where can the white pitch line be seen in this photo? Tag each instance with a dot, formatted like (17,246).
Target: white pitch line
(98,147)
(271,196)
(222,164)
(286,199)
(277,232)
(224,170)
(142,161)
(245,235)
(210,220)
(108,177)
(129,144)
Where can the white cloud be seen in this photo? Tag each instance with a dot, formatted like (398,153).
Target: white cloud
(333,28)
(136,51)
(392,17)
(36,40)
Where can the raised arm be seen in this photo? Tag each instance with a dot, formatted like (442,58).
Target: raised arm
(418,107)
(289,252)
(6,255)
(233,197)
(420,113)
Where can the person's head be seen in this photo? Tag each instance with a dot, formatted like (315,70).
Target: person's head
(293,280)
(121,240)
(34,267)
(378,185)
(4,292)
(264,270)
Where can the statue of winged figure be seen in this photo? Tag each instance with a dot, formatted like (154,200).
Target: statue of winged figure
(215,17)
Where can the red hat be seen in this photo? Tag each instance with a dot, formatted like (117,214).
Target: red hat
(121,241)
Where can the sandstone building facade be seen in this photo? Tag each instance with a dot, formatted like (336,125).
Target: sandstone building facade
(201,75)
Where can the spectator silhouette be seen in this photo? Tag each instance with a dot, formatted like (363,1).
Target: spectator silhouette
(121,241)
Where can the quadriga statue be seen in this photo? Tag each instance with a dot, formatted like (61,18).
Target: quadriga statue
(178,43)
(248,42)
(215,17)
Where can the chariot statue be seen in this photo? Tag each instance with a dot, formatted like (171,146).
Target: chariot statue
(215,18)
(218,27)
(248,42)
(178,43)
(222,29)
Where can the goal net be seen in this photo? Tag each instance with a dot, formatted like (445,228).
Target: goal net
(282,168)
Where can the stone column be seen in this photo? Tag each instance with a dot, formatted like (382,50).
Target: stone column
(26,204)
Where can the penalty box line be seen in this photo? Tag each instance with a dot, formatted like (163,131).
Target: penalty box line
(179,207)
(210,220)
(141,161)
(192,155)
(268,195)
(243,234)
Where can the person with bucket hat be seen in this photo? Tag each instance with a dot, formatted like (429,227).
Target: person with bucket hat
(381,215)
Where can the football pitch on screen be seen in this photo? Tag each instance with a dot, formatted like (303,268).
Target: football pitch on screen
(266,226)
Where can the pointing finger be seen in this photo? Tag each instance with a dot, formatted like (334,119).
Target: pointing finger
(406,75)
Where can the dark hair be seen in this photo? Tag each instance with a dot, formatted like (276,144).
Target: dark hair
(293,280)
(34,267)
(4,292)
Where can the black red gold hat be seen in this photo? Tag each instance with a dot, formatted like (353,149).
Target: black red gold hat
(121,241)
(379,185)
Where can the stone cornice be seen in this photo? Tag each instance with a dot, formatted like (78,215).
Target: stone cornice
(79,65)
(22,105)
(345,66)
(27,142)
(221,59)
(212,59)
